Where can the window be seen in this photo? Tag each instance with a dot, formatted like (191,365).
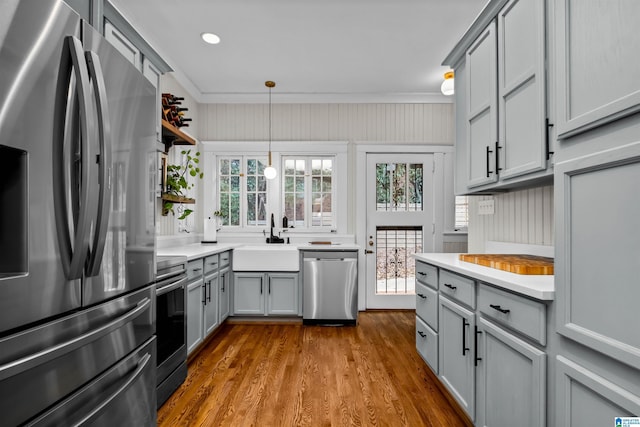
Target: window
(462,213)
(242,191)
(308,191)
(399,187)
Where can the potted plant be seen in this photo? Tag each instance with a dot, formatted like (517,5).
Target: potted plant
(177,183)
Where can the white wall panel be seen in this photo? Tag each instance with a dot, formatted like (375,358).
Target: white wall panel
(402,123)
(524,216)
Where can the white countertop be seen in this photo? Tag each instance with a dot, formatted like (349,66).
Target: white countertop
(540,287)
(196,250)
(199,250)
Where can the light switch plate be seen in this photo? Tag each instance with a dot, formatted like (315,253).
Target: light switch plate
(486,207)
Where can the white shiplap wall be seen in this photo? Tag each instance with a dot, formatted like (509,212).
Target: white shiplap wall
(524,216)
(402,123)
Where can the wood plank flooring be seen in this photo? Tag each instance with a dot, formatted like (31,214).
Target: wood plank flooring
(294,375)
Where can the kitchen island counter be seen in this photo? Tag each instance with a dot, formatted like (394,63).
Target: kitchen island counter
(540,287)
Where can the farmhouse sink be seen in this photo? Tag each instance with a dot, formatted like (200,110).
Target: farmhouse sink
(266,258)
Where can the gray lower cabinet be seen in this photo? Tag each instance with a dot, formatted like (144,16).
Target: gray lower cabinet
(586,398)
(210,318)
(267,294)
(511,386)
(195,311)
(207,296)
(456,352)
(224,283)
(486,345)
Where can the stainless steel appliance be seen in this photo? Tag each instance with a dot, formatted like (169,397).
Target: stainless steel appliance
(77,224)
(330,287)
(171,324)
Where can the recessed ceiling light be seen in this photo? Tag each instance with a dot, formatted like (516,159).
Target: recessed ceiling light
(210,38)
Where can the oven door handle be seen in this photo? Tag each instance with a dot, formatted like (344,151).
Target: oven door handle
(171,286)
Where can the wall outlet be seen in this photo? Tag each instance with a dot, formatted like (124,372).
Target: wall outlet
(486,207)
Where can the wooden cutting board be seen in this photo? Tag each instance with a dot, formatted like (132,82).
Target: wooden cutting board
(513,263)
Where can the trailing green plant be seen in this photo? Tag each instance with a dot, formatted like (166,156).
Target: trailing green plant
(177,183)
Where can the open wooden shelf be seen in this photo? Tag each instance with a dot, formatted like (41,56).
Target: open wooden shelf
(171,135)
(175,199)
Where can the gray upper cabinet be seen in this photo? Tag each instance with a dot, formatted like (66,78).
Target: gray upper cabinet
(153,73)
(501,86)
(482,112)
(123,44)
(597,223)
(597,63)
(522,139)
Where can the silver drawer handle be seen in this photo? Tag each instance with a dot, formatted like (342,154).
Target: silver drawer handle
(500,309)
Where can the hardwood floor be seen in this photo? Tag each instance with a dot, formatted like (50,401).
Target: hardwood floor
(294,375)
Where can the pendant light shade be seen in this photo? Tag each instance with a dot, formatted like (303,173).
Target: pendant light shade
(270,172)
(447,84)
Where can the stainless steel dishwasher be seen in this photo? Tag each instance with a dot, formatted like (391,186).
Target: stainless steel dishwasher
(330,287)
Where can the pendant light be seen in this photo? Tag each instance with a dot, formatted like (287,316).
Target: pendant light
(270,172)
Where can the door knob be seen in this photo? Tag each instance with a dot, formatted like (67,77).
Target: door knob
(370,242)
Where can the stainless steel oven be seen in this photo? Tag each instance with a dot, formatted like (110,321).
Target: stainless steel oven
(171,325)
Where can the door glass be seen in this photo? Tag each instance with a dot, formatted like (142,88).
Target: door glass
(399,187)
(395,267)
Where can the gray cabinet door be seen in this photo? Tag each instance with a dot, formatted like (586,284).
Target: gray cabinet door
(521,88)
(123,45)
(597,63)
(194,314)
(282,290)
(511,380)
(587,399)
(482,119)
(210,298)
(457,352)
(597,253)
(223,295)
(248,293)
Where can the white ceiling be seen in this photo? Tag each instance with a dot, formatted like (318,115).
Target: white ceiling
(315,50)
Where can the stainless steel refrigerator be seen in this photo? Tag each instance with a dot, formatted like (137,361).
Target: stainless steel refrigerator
(77,225)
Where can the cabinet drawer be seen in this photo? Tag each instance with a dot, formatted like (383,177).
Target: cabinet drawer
(194,269)
(427,305)
(224,258)
(211,263)
(458,287)
(427,344)
(518,313)
(427,274)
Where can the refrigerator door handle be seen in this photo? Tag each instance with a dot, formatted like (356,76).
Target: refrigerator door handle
(72,254)
(17,366)
(142,364)
(104,163)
